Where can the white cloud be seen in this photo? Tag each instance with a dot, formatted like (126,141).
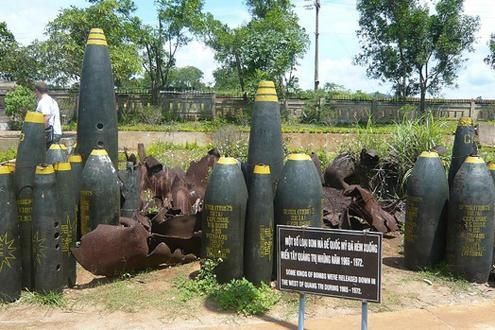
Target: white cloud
(199,55)
(27,19)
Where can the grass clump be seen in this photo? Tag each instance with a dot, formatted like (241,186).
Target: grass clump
(176,155)
(232,142)
(239,295)
(441,274)
(7,155)
(244,298)
(50,299)
(205,283)
(398,151)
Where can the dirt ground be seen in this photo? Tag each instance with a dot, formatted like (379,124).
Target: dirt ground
(151,300)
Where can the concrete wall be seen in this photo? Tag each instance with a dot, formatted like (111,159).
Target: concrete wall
(195,105)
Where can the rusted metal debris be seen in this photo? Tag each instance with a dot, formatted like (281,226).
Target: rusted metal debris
(110,250)
(367,207)
(174,187)
(347,204)
(167,230)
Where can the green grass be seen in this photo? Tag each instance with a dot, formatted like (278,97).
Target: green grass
(239,295)
(133,294)
(244,298)
(208,126)
(442,276)
(7,155)
(51,299)
(176,155)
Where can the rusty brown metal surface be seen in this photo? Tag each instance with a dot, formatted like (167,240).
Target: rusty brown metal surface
(367,207)
(167,230)
(111,250)
(336,173)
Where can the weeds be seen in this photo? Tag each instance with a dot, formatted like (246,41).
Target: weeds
(204,284)
(244,298)
(397,151)
(176,155)
(7,155)
(50,299)
(441,274)
(231,142)
(239,295)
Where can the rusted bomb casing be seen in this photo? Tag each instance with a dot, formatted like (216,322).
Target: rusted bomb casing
(97,115)
(224,215)
(471,222)
(67,214)
(57,153)
(30,152)
(258,244)
(100,192)
(10,249)
(265,136)
(130,191)
(75,161)
(426,226)
(47,239)
(464,145)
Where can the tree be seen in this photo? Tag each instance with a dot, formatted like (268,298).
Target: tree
(260,8)
(8,48)
(63,52)
(188,77)
(177,20)
(18,63)
(226,79)
(18,102)
(268,47)
(490,59)
(418,52)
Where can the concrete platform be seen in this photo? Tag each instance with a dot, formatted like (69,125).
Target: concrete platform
(480,316)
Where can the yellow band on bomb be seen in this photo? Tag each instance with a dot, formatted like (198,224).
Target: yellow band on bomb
(298,157)
(227,161)
(262,169)
(97,37)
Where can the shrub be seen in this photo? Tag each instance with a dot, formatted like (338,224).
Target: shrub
(18,102)
(147,114)
(231,142)
(238,295)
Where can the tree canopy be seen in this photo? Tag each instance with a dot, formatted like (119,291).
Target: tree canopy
(417,51)
(62,53)
(268,47)
(490,59)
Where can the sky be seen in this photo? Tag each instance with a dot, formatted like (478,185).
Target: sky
(338,41)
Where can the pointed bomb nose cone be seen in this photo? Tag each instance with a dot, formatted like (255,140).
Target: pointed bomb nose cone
(463,145)
(97,115)
(265,136)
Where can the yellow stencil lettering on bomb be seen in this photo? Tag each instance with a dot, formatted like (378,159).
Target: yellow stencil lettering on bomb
(7,249)
(468,139)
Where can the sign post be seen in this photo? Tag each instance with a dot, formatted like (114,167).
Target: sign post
(330,262)
(300,324)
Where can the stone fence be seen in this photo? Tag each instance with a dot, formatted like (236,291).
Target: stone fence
(199,105)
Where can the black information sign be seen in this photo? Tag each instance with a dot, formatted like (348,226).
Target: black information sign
(330,262)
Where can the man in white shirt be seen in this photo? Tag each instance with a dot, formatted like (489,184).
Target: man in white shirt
(49,108)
